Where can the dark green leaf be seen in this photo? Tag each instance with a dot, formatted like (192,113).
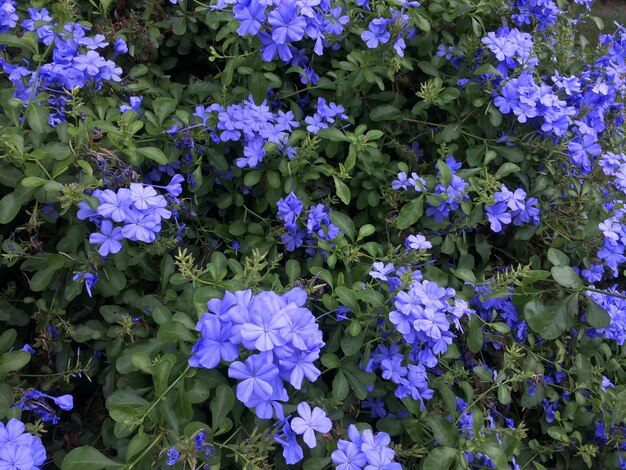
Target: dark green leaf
(88,458)
(221,404)
(410,213)
(13,360)
(596,316)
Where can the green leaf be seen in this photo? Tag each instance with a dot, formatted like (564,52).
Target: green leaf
(7,338)
(549,321)
(566,276)
(258,87)
(440,458)
(330,361)
(88,457)
(445,430)
(445,175)
(512,154)
(344,222)
(506,169)
(410,213)
(333,134)
(221,404)
(37,117)
(342,190)
(6,399)
(385,112)
(13,360)
(365,231)
(11,204)
(33,182)
(475,336)
(175,331)
(154,154)
(557,257)
(292,268)
(596,316)
(341,388)
(504,395)
(137,444)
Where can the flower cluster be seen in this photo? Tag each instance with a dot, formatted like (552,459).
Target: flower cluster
(510,207)
(512,48)
(279,328)
(76,62)
(424,317)
(318,224)
(541,13)
(325,116)
(254,125)
(139,208)
(452,194)
(279,24)
(364,450)
(36,401)
(377,33)
(19,449)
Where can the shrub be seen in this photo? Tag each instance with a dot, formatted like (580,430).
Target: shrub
(363,234)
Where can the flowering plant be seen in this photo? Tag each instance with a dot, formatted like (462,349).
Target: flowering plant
(363,234)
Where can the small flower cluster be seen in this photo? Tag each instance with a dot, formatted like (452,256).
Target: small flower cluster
(325,116)
(254,125)
(318,224)
(511,207)
(527,100)
(377,33)
(424,317)
(452,194)
(139,208)
(364,450)
(505,310)
(19,449)
(279,328)
(36,401)
(285,23)
(75,61)
(540,13)
(512,48)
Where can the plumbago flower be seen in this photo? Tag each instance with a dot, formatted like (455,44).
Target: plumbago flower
(18,449)
(140,210)
(76,61)
(282,332)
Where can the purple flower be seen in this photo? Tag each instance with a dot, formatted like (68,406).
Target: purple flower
(109,238)
(498,216)
(120,46)
(256,376)
(376,33)
(310,421)
(286,25)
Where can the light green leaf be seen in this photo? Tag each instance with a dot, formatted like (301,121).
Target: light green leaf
(566,276)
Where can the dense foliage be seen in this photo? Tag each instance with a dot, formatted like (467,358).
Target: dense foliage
(354,234)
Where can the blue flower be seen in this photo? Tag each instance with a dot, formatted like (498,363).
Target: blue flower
(376,33)
(286,25)
(256,376)
(109,239)
(18,449)
(310,421)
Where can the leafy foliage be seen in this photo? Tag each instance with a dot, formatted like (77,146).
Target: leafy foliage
(362,234)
